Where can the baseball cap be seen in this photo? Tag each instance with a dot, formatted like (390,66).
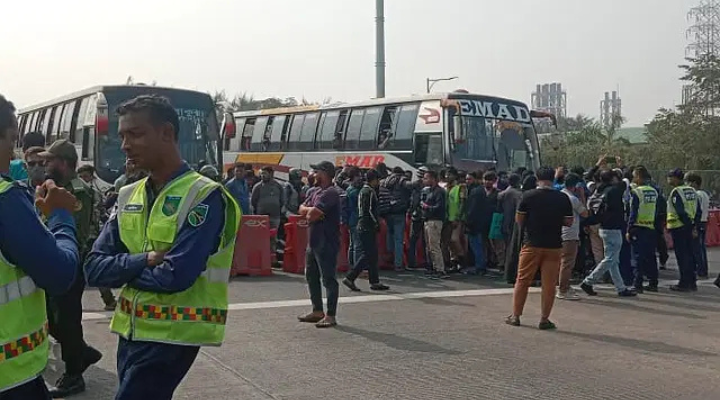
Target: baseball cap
(324,166)
(61,149)
(676,173)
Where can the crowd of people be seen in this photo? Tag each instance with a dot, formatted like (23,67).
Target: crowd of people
(532,226)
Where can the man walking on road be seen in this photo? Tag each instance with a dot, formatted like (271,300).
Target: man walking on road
(65,311)
(368,225)
(33,259)
(542,213)
(322,210)
(169,246)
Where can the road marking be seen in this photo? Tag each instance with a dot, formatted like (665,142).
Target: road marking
(94,316)
(369,298)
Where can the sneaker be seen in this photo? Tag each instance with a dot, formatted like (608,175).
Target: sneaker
(68,385)
(546,326)
(512,320)
(627,293)
(588,289)
(569,295)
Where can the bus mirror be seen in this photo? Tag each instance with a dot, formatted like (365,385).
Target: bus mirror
(458,133)
(228,126)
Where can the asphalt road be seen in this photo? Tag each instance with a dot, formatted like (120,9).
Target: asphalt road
(445,340)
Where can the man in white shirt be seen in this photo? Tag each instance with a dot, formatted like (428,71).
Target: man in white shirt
(699,245)
(575,190)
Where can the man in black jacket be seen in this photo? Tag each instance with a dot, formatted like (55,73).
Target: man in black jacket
(434,213)
(400,190)
(366,252)
(610,210)
(476,223)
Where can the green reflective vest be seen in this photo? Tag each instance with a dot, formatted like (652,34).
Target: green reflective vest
(648,197)
(197,315)
(23,324)
(453,204)
(689,199)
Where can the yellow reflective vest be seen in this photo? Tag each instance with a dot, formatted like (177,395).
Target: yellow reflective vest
(23,324)
(689,199)
(647,196)
(197,315)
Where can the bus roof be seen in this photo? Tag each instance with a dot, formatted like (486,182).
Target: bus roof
(368,103)
(95,89)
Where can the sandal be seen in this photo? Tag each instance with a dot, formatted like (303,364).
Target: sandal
(327,322)
(546,325)
(311,318)
(513,320)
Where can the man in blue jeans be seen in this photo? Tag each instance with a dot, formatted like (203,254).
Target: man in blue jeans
(400,189)
(610,211)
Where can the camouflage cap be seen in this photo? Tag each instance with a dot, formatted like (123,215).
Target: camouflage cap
(62,149)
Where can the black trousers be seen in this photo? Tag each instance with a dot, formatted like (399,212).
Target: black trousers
(65,321)
(366,257)
(33,390)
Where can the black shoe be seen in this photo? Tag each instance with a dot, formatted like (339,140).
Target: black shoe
(379,287)
(68,385)
(546,325)
(443,275)
(91,356)
(627,293)
(678,288)
(717,282)
(651,288)
(588,289)
(513,320)
(638,289)
(350,285)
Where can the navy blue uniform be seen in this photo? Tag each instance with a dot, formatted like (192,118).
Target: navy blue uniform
(682,242)
(643,242)
(149,370)
(48,255)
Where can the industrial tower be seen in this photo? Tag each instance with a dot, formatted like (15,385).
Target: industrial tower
(550,98)
(704,34)
(610,108)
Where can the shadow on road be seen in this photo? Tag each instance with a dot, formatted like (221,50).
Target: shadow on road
(436,301)
(398,342)
(631,305)
(637,344)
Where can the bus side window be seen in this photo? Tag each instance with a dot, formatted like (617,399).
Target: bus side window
(42,123)
(70,119)
(279,133)
(247,132)
(307,136)
(352,136)
(258,133)
(340,130)
(265,145)
(55,130)
(404,127)
(369,131)
(234,144)
(21,125)
(87,144)
(386,131)
(79,120)
(33,122)
(49,121)
(328,126)
(293,142)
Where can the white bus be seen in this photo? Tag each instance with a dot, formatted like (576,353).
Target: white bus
(88,119)
(463,130)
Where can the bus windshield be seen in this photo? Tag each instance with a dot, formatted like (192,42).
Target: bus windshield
(506,144)
(197,139)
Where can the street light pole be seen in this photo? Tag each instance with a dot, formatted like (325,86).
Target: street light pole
(429,83)
(380,48)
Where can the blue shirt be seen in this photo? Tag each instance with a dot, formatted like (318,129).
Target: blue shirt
(109,264)
(238,188)
(17,170)
(48,255)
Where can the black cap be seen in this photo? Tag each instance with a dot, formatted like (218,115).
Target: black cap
(324,166)
(676,173)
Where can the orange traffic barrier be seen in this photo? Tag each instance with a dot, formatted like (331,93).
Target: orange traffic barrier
(252,247)
(296,239)
(712,236)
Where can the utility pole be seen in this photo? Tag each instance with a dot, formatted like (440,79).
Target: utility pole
(380,48)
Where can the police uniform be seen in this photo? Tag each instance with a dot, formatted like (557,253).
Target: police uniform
(65,310)
(643,235)
(682,216)
(32,260)
(166,312)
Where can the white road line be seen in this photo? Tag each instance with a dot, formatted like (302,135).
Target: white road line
(95,316)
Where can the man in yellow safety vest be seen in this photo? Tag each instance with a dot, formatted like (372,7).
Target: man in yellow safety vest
(642,230)
(33,259)
(682,221)
(169,246)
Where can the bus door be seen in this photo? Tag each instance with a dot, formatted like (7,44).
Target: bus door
(429,145)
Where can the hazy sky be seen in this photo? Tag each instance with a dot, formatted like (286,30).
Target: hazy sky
(326,48)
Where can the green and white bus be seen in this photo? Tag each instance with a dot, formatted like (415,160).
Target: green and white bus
(87,118)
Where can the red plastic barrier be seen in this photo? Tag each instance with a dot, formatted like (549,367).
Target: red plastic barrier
(342,259)
(252,247)
(385,258)
(296,239)
(419,248)
(712,238)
